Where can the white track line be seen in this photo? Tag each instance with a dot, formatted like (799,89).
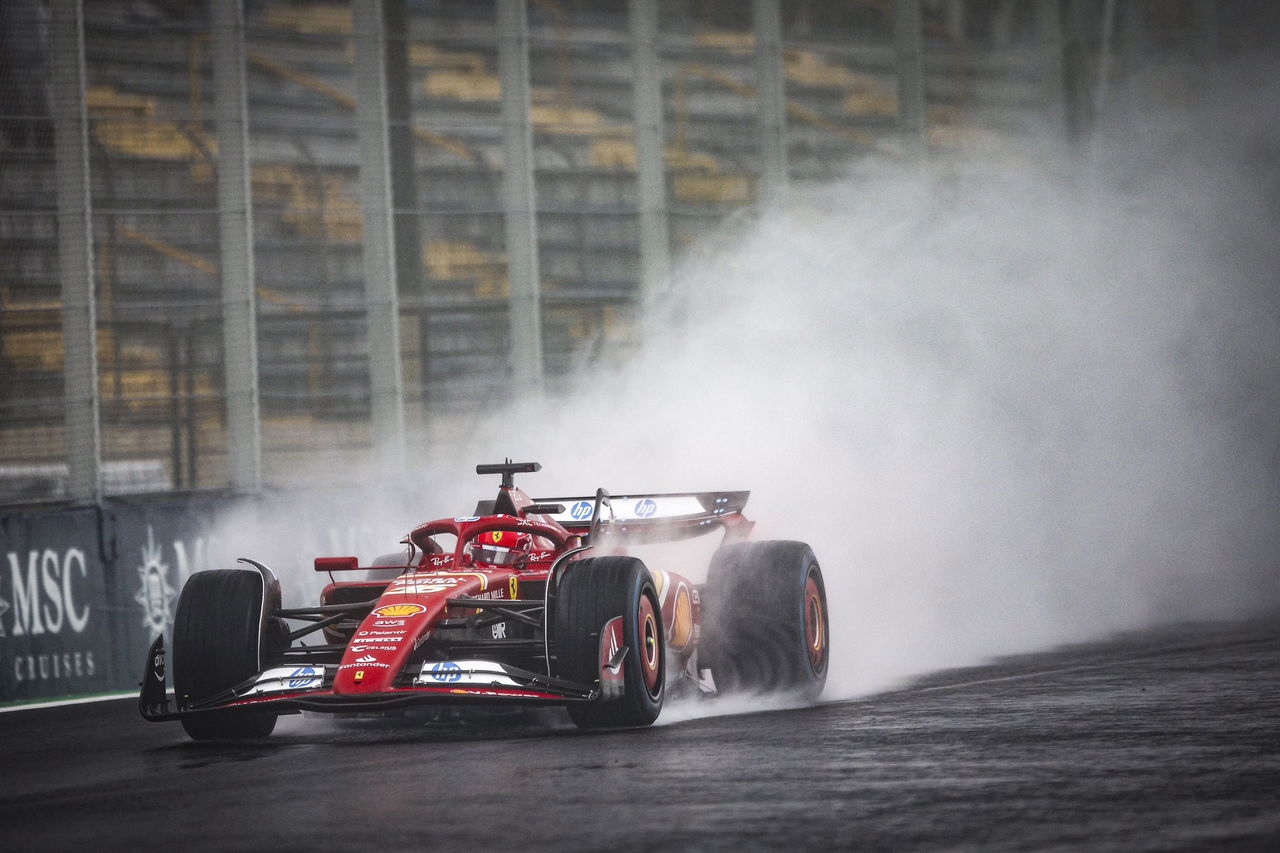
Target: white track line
(27,706)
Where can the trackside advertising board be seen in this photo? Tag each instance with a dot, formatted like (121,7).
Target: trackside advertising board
(56,618)
(83,592)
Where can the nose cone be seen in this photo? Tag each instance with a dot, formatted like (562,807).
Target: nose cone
(408,610)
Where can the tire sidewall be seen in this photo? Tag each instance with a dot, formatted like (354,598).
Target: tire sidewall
(642,586)
(594,592)
(815,677)
(755,636)
(217,642)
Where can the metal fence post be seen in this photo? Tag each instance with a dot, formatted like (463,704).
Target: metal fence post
(235,227)
(75,255)
(382,298)
(1049,38)
(771,106)
(651,176)
(518,196)
(908,48)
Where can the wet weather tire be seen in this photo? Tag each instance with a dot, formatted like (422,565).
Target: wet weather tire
(764,620)
(592,593)
(216,633)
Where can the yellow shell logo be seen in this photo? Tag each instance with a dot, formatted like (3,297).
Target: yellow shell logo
(399,610)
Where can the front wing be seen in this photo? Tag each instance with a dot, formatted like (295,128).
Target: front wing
(290,689)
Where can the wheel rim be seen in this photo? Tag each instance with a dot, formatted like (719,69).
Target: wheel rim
(815,624)
(650,646)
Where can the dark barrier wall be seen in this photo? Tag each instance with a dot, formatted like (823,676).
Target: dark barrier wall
(149,551)
(56,609)
(84,592)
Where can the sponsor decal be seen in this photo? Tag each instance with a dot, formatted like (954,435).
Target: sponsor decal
(424,585)
(48,597)
(612,680)
(467,519)
(482,672)
(157,665)
(366,659)
(540,556)
(499,630)
(304,677)
(580,511)
(513,587)
(377,633)
(360,676)
(682,620)
(45,667)
(476,691)
(365,666)
(364,648)
(446,671)
(44,599)
(390,623)
(289,678)
(399,610)
(158,581)
(645,508)
(156,594)
(417,588)
(444,561)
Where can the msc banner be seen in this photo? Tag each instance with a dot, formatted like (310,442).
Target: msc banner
(83,592)
(151,550)
(55,611)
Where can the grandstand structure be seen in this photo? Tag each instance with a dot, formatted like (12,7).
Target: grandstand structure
(238,234)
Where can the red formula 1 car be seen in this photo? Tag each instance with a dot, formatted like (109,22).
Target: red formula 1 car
(526,602)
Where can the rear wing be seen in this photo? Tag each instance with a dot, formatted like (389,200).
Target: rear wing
(652,517)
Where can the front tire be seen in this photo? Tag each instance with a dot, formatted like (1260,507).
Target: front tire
(591,594)
(764,620)
(216,636)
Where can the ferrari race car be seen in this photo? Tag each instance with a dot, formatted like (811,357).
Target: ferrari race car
(525,602)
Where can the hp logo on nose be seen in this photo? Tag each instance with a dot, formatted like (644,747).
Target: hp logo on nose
(581,510)
(645,508)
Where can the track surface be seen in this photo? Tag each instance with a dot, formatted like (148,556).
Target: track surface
(1158,740)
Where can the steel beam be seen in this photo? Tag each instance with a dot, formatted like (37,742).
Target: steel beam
(908,48)
(771,106)
(519,196)
(386,391)
(651,175)
(1050,40)
(75,255)
(235,227)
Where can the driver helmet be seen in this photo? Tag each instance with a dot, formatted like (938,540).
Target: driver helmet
(500,547)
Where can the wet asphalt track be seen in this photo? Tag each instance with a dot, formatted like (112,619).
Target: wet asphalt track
(1156,741)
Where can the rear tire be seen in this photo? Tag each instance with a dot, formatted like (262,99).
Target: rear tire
(764,620)
(593,592)
(216,635)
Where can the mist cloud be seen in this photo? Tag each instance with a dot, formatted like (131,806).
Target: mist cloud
(1024,397)
(1019,399)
